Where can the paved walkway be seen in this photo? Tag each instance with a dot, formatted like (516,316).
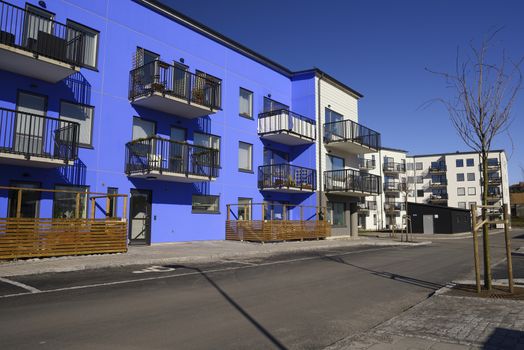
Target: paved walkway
(184,252)
(447,322)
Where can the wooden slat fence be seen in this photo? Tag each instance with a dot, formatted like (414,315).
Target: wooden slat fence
(45,237)
(276,230)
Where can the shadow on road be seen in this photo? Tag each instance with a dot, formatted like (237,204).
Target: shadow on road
(233,303)
(389,275)
(503,338)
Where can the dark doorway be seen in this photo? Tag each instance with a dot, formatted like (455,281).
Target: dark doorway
(140,217)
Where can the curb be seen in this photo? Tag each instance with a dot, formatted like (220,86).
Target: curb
(208,258)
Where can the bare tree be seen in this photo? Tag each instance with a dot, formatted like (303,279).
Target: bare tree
(485,90)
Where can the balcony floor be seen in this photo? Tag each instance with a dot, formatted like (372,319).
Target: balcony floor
(287,138)
(350,193)
(172,177)
(33,161)
(349,147)
(173,105)
(287,190)
(22,62)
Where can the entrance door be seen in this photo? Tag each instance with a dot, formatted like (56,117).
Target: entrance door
(30,203)
(428,224)
(140,217)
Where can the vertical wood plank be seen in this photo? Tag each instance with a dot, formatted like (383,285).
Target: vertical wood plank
(19,204)
(77,207)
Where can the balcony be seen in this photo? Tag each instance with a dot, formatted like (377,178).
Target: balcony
(437,169)
(366,164)
(492,166)
(41,48)
(286,127)
(286,178)
(494,196)
(38,141)
(438,184)
(394,207)
(367,206)
(394,186)
(492,180)
(351,183)
(394,168)
(166,88)
(441,199)
(350,137)
(155,158)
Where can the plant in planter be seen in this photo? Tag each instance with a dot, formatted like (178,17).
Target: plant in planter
(307,186)
(157,87)
(290,182)
(197,95)
(279,182)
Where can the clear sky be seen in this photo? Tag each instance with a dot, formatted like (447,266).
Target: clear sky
(381,49)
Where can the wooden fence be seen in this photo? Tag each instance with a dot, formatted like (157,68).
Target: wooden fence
(100,229)
(267,228)
(29,237)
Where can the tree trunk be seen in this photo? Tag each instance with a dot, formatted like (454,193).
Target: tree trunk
(485,230)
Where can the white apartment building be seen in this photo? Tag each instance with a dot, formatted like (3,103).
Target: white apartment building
(448,179)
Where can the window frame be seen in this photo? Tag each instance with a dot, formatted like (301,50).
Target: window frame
(331,205)
(250,170)
(16,183)
(250,205)
(146,120)
(472,177)
(458,191)
(196,211)
(210,136)
(88,29)
(474,191)
(419,166)
(420,193)
(80,144)
(86,188)
(113,202)
(459,161)
(251,103)
(461,177)
(468,161)
(330,157)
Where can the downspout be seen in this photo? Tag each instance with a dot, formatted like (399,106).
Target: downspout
(382,210)
(320,143)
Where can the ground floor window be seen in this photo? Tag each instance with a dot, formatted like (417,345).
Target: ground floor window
(30,201)
(244,208)
(65,203)
(201,204)
(337,210)
(113,201)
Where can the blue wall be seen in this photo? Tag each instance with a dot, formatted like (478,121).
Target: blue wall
(123,26)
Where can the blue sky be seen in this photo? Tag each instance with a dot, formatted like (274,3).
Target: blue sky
(381,49)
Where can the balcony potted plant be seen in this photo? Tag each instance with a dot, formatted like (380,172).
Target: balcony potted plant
(157,87)
(197,95)
(290,182)
(307,186)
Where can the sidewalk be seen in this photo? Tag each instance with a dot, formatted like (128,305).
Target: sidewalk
(184,252)
(447,322)
(427,237)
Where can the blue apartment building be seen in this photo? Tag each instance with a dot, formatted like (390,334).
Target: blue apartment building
(132,97)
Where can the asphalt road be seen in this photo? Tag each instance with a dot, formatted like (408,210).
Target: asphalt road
(297,301)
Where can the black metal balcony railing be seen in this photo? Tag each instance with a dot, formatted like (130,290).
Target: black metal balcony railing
(437,168)
(394,206)
(366,164)
(492,180)
(284,120)
(395,167)
(438,183)
(349,180)
(395,186)
(286,176)
(166,79)
(30,32)
(349,131)
(438,197)
(38,136)
(163,155)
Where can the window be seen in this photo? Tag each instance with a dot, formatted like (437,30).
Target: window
(245,156)
(332,116)
(470,162)
(65,205)
(335,163)
(411,179)
(272,105)
(201,204)
(409,166)
(113,202)
(86,44)
(246,103)
(81,114)
(420,193)
(472,191)
(418,165)
(471,176)
(337,214)
(209,141)
(30,204)
(36,20)
(177,134)
(244,208)
(143,128)
(461,191)
(30,132)
(374,219)
(459,163)
(460,177)
(462,205)
(420,179)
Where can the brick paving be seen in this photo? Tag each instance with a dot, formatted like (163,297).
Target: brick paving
(447,322)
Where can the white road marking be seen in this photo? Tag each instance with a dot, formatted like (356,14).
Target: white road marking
(155,269)
(21,285)
(194,273)
(240,262)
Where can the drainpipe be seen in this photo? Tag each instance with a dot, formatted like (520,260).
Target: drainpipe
(382,194)
(320,143)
